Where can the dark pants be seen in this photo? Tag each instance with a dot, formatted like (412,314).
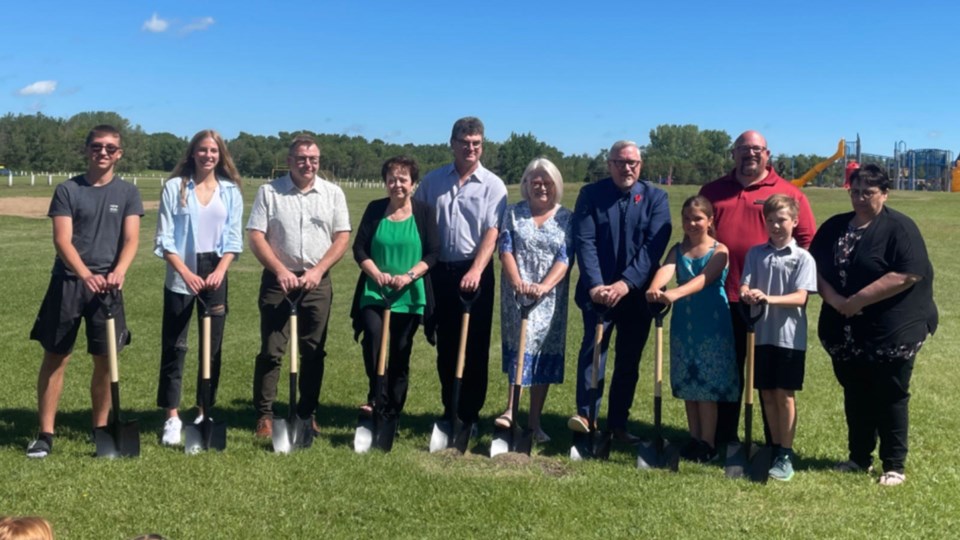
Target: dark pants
(449,312)
(403,326)
(313,312)
(632,322)
(177,311)
(875,399)
(728,412)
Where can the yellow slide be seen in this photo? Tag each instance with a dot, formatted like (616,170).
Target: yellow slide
(820,167)
(955,181)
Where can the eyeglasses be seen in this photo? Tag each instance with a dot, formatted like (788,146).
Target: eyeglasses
(469,144)
(865,193)
(631,163)
(541,185)
(750,149)
(303,160)
(96,148)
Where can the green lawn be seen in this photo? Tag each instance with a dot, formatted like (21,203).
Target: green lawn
(248,492)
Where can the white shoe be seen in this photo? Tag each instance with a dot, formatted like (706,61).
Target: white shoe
(199,419)
(171,431)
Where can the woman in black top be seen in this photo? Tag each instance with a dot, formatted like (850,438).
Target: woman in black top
(876,281)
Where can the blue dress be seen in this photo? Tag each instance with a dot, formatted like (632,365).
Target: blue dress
(536,249)
(702,362)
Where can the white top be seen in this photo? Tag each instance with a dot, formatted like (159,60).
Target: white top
(210,221)
(299,226)
(464,213)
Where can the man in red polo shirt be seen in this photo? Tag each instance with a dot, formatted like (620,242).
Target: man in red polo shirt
(738,201)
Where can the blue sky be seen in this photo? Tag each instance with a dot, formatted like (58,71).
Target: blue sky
(578,75)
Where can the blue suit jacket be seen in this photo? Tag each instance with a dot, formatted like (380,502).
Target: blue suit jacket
(597,233)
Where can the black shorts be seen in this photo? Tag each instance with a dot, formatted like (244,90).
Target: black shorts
(66,302)
(778,368)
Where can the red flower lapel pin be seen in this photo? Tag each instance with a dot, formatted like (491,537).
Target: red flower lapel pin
(637,198)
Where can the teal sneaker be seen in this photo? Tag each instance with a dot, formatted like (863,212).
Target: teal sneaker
(782,469)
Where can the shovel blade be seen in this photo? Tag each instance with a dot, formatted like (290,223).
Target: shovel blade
(523,442)
(384,431)
(118,440)
(363,437)
(461,437)
(502,442)
(440,436)
(649,457)
(594,445)
(760,464)
(283,436)
(206,435)
(736,463)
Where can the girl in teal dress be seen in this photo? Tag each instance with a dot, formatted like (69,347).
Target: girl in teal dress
(702,364)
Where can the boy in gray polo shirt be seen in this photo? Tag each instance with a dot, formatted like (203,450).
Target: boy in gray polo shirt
(781,274)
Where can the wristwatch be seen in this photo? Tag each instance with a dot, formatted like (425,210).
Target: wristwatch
(412,276)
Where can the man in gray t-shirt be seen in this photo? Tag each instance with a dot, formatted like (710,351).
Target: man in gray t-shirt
(96,228)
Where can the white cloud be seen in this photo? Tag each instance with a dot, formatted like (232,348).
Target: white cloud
(934,134)
(38,88)
(198,24)
(155,24)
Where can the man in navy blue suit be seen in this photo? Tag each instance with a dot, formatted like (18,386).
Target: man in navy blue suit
(622,227)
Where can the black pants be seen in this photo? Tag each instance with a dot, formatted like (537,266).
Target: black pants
(875,399)
(728,412)
(177,311)
(313,312)
(403,326)
(449,312)
(632,322)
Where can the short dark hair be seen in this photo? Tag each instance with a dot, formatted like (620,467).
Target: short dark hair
(401,161)
(871,175)
(302,140)
(103,129)
(468,125)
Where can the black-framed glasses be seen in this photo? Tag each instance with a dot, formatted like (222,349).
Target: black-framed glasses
(303,160)
(469,144)
(750,149)
(631,163)
(96,148)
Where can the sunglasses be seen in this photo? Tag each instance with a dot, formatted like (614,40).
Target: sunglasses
(96,148)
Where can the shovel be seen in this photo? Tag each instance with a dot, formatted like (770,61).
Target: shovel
(292,432)
(451,432)
(743,459)
(208,434)
(379,428)
(118,438)
(515,438)
(658,453)
(594,443)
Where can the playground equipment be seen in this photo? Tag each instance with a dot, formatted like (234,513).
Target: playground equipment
(822,166)
(955,182)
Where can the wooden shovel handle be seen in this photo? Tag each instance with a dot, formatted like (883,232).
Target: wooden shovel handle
(384,343)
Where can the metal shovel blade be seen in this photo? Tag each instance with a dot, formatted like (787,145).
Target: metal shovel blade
(205,436)
(440,436)
(523,441)
(290,434)
(118,440)
(593,445)
(461,437)
(649,456)
(363,437)
(735,465)
(502,441)
(384,431)
(760,464)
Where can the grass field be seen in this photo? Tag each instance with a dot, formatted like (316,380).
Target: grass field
(328,491)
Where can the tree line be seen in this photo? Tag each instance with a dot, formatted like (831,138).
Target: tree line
(681,154)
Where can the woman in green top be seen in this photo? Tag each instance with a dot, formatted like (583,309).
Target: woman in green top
(396,244)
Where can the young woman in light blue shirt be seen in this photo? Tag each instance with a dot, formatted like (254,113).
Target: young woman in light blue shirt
(199,234)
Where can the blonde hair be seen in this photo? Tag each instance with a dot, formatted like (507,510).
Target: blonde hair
(25,528)
(186,167)
(545,166)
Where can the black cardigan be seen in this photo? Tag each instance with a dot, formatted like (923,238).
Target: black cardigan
(426,220)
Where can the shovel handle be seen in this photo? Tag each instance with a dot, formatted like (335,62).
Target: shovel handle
(658,364)
(462,348)
(112,349)
(521,347)
(294,343)
(205,346)
(384,343)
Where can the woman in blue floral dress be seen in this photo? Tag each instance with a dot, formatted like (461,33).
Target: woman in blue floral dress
(536,252)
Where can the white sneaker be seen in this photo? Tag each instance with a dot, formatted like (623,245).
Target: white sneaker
(199,419)
(171,431)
